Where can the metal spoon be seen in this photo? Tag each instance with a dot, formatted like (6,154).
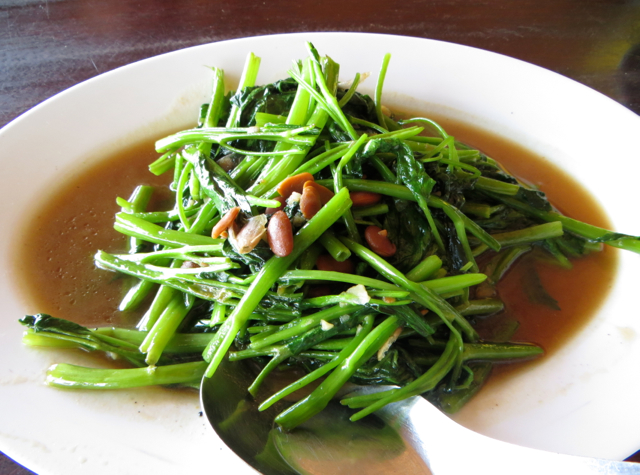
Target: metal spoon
(411,436)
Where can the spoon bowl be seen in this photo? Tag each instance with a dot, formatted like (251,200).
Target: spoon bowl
(410,436)
(328,443)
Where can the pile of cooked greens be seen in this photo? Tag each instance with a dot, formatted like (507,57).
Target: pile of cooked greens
(313,230)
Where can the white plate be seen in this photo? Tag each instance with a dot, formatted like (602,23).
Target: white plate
(583,401)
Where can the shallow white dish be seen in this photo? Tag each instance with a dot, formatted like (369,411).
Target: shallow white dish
(582,401)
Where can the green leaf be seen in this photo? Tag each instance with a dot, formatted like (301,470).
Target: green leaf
(536,292)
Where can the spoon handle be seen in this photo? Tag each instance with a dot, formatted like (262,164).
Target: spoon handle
(449,448)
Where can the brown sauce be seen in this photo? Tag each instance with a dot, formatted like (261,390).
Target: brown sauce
(54,262)
(579,291)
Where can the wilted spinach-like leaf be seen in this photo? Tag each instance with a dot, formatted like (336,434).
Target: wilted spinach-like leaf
(81,336)
(336,132)
(504,220)
(411,173)
(273,98)
(535,291)
(254,259)
(410,318)
(451,400)
(43,322)
(457,256)
(390,370)
(360,106)
(452,188)
(215,182)
(409,231)
(535,198)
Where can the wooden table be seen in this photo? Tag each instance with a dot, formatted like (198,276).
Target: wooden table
(48,46)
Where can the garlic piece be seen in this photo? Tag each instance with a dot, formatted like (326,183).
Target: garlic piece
(387,344)
(325,325)
(250,235)
(360,293)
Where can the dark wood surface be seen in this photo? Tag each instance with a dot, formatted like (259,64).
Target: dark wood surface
(47,46)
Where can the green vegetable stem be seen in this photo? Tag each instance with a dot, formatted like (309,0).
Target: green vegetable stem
(312,229)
